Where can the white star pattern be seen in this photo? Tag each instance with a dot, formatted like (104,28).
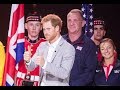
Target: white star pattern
(91,17)
(91,30)
(83,9)
(87,10)
(91,23)
(84,16)
(91,10)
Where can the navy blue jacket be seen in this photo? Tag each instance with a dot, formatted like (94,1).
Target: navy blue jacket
(113,78)
(83,70)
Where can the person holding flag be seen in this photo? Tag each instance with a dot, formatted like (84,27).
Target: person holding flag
(33,26)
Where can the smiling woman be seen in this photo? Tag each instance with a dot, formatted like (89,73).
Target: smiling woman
(107,72)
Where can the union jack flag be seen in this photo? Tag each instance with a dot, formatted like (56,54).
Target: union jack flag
(87,10)
(15,43)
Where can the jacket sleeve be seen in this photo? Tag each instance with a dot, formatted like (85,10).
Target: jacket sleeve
(31,66)
(65,61)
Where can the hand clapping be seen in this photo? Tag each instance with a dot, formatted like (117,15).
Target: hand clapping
(40,60)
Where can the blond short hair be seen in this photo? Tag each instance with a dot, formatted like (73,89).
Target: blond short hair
(76,11)
(108,40)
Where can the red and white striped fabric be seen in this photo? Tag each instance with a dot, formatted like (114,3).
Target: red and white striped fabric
(15,43)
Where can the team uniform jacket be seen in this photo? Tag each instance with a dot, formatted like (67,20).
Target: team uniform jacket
(84,66)
(22,71)
(113,78)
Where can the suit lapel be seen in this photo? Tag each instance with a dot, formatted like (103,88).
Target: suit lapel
(57,49)
(46,51)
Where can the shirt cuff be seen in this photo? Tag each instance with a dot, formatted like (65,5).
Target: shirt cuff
(28,63)
(44,66)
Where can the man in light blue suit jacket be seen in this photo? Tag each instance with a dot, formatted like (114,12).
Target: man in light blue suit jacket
(55,56)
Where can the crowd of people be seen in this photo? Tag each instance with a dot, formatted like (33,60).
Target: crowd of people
(72,59)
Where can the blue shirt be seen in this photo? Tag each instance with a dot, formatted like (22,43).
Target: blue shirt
(84,66)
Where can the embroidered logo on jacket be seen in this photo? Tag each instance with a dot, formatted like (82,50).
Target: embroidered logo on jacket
(116,71)
(79,48)
(98,70)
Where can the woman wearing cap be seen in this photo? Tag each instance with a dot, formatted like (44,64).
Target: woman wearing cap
(108,69)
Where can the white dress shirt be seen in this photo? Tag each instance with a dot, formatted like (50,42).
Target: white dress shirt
(51,50)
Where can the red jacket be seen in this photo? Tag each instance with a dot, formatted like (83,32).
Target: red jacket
(22,71)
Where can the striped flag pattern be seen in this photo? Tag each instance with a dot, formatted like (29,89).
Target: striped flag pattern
(15,43)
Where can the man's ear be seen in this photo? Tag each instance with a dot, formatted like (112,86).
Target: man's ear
(104,32)
(26,26)
(41,26)
(57,28)
(83,23)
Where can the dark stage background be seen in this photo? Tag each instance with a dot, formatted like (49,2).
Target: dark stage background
(110,12)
